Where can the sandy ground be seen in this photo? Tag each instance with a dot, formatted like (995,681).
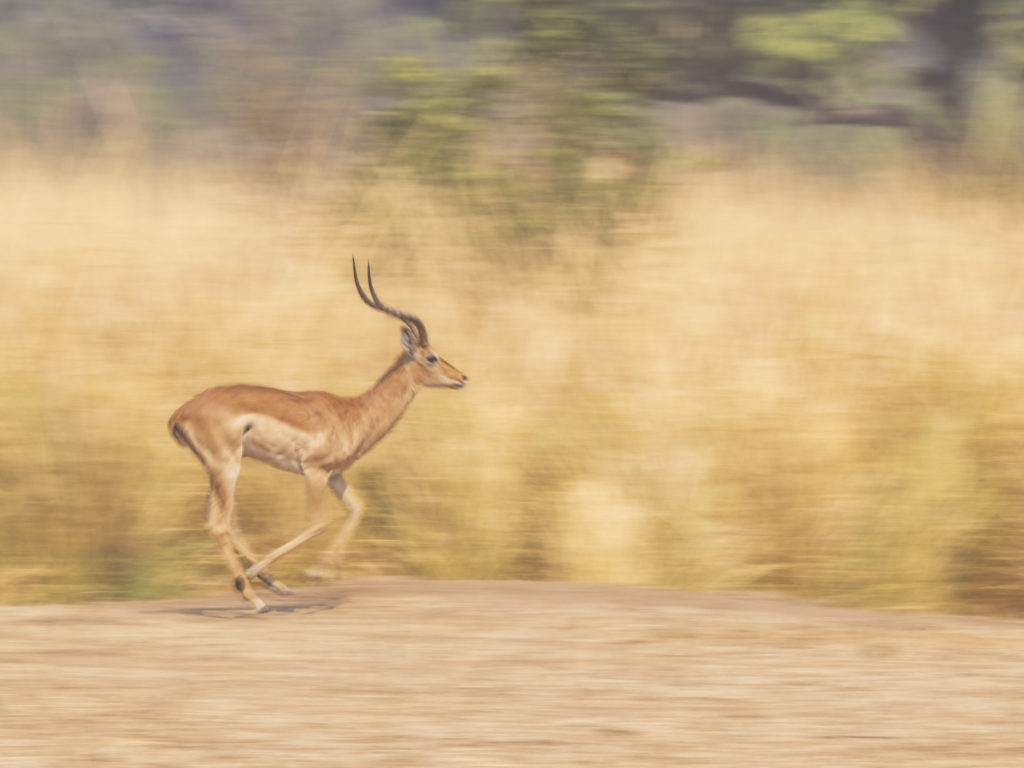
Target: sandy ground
(412,673)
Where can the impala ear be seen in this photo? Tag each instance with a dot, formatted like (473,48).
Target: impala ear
(408,341)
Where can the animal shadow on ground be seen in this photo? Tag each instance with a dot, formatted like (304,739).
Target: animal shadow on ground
(216,609)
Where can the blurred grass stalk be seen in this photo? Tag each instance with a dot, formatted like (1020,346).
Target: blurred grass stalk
(779,383)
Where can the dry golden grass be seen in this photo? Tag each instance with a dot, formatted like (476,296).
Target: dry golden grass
(775,382)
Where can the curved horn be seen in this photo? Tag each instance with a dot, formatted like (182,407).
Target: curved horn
(414,323)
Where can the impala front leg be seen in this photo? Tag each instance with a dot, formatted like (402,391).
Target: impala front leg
(316,485)
(332,555)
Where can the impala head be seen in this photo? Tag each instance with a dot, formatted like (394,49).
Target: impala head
(432,369)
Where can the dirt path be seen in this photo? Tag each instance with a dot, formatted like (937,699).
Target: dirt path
(411,673)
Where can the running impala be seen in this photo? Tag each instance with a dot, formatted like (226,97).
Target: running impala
(314,434)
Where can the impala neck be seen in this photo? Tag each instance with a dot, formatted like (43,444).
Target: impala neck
(385,402)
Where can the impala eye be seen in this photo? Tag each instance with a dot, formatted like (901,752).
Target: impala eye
(432,358)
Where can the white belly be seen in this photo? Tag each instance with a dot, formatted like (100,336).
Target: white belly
(274,443)
(259,453)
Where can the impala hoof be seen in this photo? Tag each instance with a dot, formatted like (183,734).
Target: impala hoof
(318,574)
(264,608)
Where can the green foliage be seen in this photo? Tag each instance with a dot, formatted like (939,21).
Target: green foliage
(813,48)
(831,35)
(559,127)
(438,117)
(592,67)
(1004,32)
(526,95)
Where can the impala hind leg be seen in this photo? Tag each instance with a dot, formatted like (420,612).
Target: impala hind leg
(249,558)
(331,557)
(316,486)
(218,523)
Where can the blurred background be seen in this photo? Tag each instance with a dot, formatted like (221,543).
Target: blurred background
(738,285)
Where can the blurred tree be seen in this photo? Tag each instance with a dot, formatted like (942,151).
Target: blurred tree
(567,87)
(1003,34)
(555,121)
(436,118)
(818,53)
(201,75)
(590,70)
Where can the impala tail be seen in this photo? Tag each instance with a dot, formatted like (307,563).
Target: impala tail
(180,436)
